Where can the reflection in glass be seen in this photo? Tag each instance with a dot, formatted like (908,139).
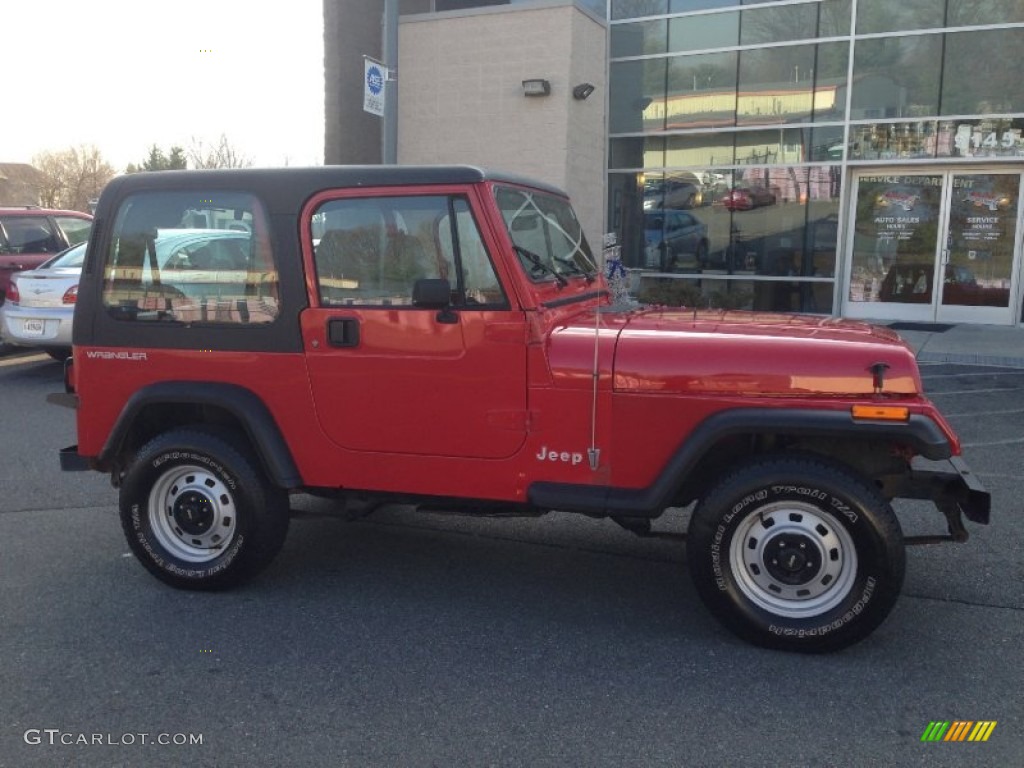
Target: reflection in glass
(976,76)
(896,77)
(989,137)
(642,38)
(827,143)
(699,150)
(830,68)
(889,16)
(636,152)
(776,85)
(795,22)
(767,223)
(701,91)
(632,9)
(963,13)
(636,98)
(694,33)
(892,141)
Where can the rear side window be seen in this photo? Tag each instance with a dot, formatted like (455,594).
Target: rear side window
(191,257)
(76,230)
(371,251)
(28,234)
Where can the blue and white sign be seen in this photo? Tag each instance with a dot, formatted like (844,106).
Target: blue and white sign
(374,76)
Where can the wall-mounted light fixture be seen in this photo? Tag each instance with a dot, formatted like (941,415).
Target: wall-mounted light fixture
(536,87)
(581,91)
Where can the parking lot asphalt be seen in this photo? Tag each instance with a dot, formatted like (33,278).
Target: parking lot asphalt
(405,639)
(994,345)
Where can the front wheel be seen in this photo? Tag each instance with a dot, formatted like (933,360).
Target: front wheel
(796,553)
(198,512)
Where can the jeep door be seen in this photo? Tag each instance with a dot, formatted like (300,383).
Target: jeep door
(392,375)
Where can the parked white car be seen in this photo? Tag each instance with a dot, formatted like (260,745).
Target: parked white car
(40,304)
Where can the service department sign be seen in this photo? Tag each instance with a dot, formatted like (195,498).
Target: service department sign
(374,75)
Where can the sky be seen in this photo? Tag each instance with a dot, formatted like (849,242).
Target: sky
(126,74)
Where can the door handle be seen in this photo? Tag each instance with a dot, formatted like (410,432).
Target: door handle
(343,332)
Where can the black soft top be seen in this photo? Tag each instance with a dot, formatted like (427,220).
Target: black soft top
(284,189)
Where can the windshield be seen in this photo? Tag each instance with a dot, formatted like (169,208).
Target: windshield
(547,237)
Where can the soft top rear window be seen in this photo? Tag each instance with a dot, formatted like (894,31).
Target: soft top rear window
(191,257)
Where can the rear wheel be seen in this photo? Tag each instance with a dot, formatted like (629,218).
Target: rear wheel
(796,553)
(198,512)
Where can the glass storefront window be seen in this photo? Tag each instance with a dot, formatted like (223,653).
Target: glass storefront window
(826,143)
(712,30)
(636,152)
(701,91)
(699,150)
(887,16)
(982,138)
(636,96)
(795,22)
(962,13)
(894,141)
(762,223)
(977,75)
(990,137)
(640,39)
(632,9)
(875,16)
(776,85)
(896,77)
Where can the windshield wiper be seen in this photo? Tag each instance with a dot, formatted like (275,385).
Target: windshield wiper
(539,265)
(576,268)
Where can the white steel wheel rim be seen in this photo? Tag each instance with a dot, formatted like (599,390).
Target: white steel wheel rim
(192,514)
(792,560)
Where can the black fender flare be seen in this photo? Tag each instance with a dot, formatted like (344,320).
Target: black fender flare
(251,412)
(920,432)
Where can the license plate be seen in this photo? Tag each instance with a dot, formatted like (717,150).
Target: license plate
(33,327)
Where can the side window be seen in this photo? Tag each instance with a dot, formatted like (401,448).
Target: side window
(76,230)
(371,251)
(28,234)
(194,257)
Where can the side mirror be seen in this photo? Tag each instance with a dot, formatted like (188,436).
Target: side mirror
(431,293)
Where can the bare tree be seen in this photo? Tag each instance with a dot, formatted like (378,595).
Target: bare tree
(72,177)
(221,155)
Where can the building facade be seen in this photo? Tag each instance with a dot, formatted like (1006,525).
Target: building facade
(847,157)
(853,157)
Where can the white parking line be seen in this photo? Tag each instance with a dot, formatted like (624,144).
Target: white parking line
(23,360)
(1006,390)
(929,377)
(1015,441)
(1014,412)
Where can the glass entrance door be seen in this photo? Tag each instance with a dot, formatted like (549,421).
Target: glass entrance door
(977,261)
(935,246)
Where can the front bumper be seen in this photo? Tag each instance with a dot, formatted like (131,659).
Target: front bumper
(954,489)
(951,481)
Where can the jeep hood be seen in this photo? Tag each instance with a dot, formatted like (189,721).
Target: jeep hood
(678,351)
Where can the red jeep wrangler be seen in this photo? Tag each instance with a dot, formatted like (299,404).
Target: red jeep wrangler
(441,336)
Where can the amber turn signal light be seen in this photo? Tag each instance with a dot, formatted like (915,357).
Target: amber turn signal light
(881,412)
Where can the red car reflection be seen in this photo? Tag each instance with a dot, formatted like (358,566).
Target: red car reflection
(745,198)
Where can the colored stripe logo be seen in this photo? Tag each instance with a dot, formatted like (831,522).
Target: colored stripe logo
(958,730)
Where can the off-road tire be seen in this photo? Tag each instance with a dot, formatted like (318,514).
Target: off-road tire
(796,553)
(198,511)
